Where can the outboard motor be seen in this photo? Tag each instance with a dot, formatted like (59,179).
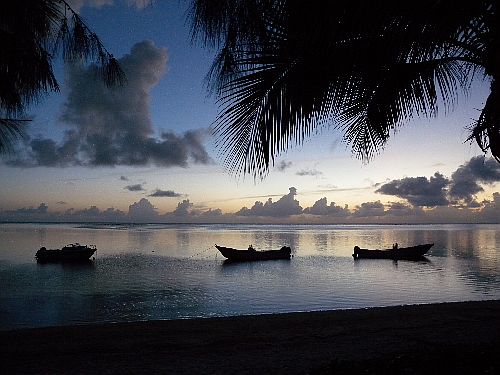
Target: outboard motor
(287,250)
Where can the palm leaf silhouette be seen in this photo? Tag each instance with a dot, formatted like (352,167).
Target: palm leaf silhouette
(361,66)
(32,34)
(10,131)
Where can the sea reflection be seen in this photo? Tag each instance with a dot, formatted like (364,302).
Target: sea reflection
(19,242)
(174,271)
(80,265)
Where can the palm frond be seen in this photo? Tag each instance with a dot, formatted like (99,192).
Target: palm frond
(380,103)
(232,22)
(78,43)
(11,130)
(486,129)
(368,66)
(32,33)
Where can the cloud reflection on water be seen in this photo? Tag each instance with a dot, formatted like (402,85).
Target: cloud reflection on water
(173,271)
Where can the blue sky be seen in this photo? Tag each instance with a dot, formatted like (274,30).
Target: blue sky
(170,157)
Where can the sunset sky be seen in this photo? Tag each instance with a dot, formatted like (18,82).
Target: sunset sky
(164,166)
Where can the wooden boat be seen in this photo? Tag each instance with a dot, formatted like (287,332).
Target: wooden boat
(410,253)
(70,253)
(251,254)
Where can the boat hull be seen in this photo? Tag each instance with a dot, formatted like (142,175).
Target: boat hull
(408,253)
(77,254)
(236,255)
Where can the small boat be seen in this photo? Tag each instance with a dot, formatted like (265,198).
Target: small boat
(409,253)
(70,253)
(251,254)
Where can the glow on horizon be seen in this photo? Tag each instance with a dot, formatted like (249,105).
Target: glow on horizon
(321,167)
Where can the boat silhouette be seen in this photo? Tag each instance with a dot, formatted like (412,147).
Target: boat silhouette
(409,253)
(70,253)
(251,254)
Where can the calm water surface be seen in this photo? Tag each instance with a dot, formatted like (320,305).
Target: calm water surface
(145,272)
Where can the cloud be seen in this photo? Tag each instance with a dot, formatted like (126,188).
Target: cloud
(94,214)
(185,212)
(123,178)
(165,193)
(30,214)
(401,209)
(135,187)
(140,4)
(384,213)
(79,4)
(183,208)
(46,152)
(491,209)
(369,209)
(287,205)
(465,180)
(211,214)
(419,191)
(321,207)
(309,172)
(333,188)
(62,202)
(283,165)
(142,211)
(41,209)
(438,190)
(113,126)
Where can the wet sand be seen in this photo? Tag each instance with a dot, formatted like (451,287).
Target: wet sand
(458,338)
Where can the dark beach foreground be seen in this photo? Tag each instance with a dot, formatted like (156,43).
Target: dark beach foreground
(458,338)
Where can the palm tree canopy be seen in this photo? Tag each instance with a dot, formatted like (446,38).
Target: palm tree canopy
(32,34)
(287,67)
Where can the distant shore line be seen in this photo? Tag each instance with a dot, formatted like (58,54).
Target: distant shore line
(443,337)
(235,223)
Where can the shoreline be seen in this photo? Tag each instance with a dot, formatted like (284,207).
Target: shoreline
(410,337)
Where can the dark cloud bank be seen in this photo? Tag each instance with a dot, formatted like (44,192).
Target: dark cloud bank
(135,187)
(165,194)
(459,190)
(111,127)
(437,199)
(419,191)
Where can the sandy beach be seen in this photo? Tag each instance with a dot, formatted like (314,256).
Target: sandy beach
(446,338)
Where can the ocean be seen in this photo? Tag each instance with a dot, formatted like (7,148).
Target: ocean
(150,272)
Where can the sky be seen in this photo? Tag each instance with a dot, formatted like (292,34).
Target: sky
(145,152)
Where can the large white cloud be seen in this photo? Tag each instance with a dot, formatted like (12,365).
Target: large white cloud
(142,211)
(287,205)
(113,126)
(183,208)
(321,208)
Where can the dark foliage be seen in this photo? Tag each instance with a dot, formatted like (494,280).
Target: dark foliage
(32,34)
(287,67)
